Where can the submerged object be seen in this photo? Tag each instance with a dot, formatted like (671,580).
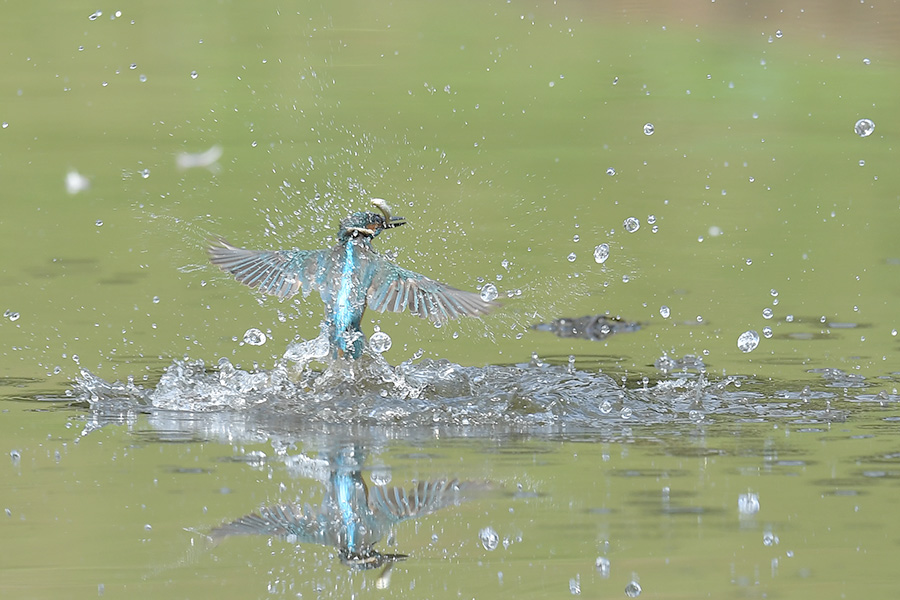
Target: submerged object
(349,277)
(589,327)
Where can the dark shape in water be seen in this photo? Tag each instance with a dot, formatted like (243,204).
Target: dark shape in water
(352,517)
(590,327)
(349,277)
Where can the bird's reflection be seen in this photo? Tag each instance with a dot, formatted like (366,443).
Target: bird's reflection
(352,517)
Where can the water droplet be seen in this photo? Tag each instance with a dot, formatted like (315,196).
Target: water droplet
(864,127)
(571,257)
(651,219)
(489,538)
(768,313)
(610,171)
(748,504)
(601,253)
(631,224)
(155,299)
(380,475)
(145,173)
(633,589)
(148,527)
(778,33)
(99,223)
(770,539)
(866,61)
(602,564)
(15,456)
(648,129)
(142,78)
(489,292)
(194,75)
(574,586)
(664,311)
(862,163)
(254,337)
(748,341)
(96,15)
(13,316)
(380,342)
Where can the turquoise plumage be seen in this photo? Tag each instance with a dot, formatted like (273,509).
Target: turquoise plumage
(349,277)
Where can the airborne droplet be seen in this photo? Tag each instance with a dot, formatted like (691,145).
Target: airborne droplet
(748,341)
(380,342)
(864,127)
(254,337)
(601,253)
(489,292)
(489,538)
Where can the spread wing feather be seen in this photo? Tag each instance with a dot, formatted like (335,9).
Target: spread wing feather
(280,273)
(397,289)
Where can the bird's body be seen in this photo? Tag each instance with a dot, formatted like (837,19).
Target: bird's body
(349,277)
(352,517)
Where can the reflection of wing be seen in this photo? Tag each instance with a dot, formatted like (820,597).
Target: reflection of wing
(278,521)
(397,289)
(428,496)
(281,273)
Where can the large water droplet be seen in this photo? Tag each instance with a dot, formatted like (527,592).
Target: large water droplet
(768,313)
(633,589)
(254,337)
(664,311)
(490,539)
(489,292)
(864,127)
(748,341)
(748,504)
(602,564)
(601,253)
(380,342)
(631,224)
(571,257)
(648,129)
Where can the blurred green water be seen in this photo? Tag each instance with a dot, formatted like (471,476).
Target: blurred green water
(492,125)
(495,142)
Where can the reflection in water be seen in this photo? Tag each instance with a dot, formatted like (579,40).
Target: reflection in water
(352,517)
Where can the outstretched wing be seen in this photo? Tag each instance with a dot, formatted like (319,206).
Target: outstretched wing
(397,289)
(280,521)
(397,504)
(280,273)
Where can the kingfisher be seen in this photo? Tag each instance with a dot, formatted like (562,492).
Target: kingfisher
(352,516)
(349,277)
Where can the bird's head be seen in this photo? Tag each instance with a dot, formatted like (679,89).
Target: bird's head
(369,224)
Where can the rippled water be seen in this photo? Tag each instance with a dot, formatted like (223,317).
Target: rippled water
(538,397)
